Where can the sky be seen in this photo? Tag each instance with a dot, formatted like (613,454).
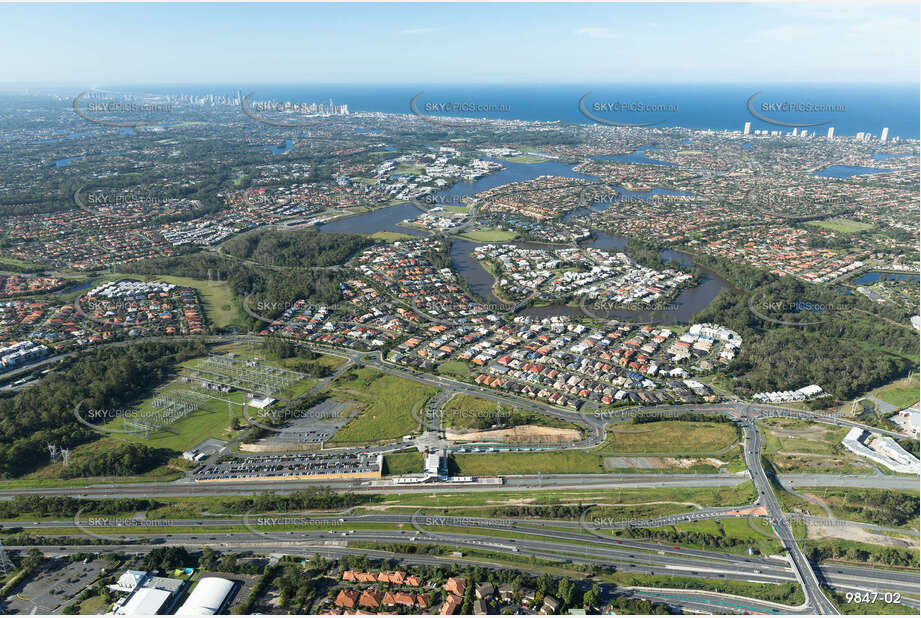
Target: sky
(458,43)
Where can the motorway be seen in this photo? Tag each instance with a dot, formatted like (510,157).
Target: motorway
(815,598)
(527,483)
(571,544)
(623,554)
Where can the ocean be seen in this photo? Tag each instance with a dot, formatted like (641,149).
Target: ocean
(849,108)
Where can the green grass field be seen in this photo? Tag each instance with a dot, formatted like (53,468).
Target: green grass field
(471,412)
(525,158)
(754,533)
(901,394)
(679,437)
(489,235)
(212,420)
(216,297)
(558,462)
(403,463)
(389,401)
(390,236)
(454,369)
(845,226)
(411,169)
(799,446)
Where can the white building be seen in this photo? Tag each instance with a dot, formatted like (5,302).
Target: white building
(128,581)
(909,420)
(207,598)
(144,602)
(715,331)
(882,450)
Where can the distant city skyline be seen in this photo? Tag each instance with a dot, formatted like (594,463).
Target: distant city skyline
(451,43)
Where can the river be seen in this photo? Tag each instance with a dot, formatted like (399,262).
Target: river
(480,281)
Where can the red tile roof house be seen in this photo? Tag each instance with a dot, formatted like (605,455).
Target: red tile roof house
(346,598)
(451,605)
(371,598)
(456,585)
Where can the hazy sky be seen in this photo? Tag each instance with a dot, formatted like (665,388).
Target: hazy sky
(470,43)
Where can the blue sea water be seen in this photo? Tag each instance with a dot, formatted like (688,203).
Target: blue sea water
(860,107)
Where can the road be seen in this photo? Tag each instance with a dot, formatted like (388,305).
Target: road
(525,540)
(568,539)
(815,598)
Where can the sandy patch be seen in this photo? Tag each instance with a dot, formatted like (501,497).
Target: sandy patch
(856,533)
(686,462)
(522,433)
(278,448)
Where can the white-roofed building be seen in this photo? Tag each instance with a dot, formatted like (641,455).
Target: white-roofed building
(129,580)
(146,601)
(909,420)
(207,598)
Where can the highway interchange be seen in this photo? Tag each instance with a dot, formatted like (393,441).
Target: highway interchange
(570,541)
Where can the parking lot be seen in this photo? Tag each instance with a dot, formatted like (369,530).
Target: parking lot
(365,464)
(53,586)
(314,425)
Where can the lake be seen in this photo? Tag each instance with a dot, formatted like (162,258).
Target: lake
(874,276)
(381,220)
(846,171)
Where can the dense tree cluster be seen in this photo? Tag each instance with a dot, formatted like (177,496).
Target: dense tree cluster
(553,511)
(312,498)
(673,537)
(124,459)
(837,550)
(296,249)
(168,558)
(109,378)
(880,506)
(64,506)
(852,348)
(271,290)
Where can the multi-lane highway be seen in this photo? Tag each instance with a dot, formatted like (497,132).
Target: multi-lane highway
(564,541)
(815,598)
(569,541)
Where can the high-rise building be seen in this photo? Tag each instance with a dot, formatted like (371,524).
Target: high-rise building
(794,132)
(747,129)
(884,135)
(831,132)
(860,136)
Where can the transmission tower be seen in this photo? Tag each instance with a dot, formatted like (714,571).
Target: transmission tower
(65,455)
(6,565)
(52,451)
